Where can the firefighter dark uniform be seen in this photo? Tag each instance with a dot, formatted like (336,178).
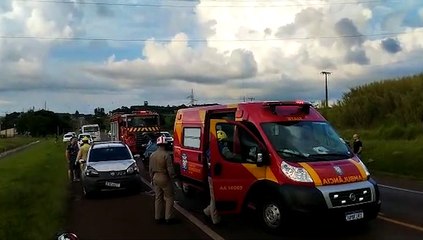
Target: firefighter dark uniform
(162,173)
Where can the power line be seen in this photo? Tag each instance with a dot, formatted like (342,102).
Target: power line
(202,40)
(202,6)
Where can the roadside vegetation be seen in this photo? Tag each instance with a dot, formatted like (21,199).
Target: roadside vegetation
(14,142)
(33,192)
(388,116)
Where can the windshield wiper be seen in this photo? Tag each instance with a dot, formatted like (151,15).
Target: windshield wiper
(323,156)
(295,154)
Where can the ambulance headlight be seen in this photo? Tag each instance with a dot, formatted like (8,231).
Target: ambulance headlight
(365,168)
(298,174)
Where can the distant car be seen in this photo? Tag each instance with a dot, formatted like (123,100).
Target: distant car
(67,137)
(82,135)
(109,166)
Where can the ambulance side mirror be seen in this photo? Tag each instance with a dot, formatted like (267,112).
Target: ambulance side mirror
(262,159)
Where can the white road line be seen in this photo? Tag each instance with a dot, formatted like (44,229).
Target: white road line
(418,228)
(214,235)
(400,189)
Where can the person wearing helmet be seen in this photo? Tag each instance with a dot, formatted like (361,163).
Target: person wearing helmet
(222,139)
(67,236)
(82,153)
(162,173)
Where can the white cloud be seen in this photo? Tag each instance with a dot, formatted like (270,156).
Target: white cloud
(176,61)
(296,40)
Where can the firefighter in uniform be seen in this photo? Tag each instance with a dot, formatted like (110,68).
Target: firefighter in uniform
(83,151)
(162,173)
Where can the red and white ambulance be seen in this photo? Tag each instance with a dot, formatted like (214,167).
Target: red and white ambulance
(290,162)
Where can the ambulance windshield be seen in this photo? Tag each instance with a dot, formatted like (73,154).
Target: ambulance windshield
(306,141)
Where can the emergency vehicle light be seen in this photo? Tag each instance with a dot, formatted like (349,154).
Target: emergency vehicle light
(305,106)
(141,112)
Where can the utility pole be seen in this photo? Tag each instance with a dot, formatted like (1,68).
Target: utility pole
(326,86)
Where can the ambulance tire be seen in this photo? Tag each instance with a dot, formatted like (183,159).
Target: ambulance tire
(271,215)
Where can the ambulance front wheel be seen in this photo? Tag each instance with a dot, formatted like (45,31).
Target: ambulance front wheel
(272,215)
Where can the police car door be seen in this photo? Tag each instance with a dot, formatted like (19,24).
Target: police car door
(231,179)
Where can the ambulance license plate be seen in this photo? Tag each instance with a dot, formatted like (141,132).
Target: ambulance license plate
(112,184)
(352,216)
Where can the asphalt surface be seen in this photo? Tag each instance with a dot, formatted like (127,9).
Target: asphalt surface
(123,215)
(131,216)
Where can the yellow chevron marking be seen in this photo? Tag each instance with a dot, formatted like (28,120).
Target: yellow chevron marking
(260,172)
(316,179)
(360,168)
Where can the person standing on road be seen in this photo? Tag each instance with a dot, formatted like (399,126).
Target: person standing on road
(210,210)
(357,145)
(162,173)
(82,153)
(71,155)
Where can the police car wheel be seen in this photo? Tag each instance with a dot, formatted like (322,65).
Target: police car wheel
(271,215)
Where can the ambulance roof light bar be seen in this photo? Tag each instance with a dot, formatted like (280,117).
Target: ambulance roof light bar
(305,106)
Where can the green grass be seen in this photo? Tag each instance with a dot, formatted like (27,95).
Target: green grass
(33,192)
(401,157)
(395,155)
(14,142)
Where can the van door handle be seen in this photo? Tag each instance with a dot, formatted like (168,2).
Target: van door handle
(217,169)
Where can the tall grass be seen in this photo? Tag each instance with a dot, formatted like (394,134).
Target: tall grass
(33,192)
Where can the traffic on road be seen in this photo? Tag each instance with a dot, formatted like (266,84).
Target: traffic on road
(324,192)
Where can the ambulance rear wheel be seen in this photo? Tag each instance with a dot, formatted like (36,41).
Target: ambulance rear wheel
(272,215)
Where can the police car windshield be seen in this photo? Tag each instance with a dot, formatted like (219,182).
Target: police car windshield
(309,141)
(109,154)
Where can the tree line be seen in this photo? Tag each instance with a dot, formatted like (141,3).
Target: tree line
(391,103)
(385,102)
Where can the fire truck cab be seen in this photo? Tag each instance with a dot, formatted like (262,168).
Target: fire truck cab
(282,159)
(135,129)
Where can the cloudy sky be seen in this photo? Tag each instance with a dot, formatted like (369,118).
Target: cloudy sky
(82,54)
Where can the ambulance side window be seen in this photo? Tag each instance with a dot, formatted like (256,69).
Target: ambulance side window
(192,137)
(249,147)
(236,144)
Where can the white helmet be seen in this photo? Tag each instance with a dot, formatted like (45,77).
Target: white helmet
(161,140)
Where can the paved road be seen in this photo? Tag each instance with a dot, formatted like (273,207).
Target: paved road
(117,216)
(123,216)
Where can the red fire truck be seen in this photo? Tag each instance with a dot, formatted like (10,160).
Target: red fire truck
(285,161)
(135,129)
